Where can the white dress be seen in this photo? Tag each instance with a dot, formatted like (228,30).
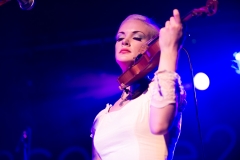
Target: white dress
(125,134)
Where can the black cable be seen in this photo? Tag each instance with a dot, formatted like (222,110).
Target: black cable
(195,100)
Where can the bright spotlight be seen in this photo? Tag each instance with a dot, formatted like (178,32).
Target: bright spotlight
(236,66)
(237,55)
(201,81)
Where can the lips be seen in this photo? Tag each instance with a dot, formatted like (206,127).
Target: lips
(124,50)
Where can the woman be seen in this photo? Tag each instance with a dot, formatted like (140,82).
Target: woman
(145,122)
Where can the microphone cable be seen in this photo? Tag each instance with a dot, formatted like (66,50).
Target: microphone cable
(195,101)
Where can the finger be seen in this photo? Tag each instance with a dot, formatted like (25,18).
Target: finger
(176,15)
(172,20)
(167,24)
(161,31)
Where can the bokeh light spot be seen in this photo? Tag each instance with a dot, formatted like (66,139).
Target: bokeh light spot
(201,81)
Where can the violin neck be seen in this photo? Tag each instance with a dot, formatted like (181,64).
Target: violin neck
(153,40)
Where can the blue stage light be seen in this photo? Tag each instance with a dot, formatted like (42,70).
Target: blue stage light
(236,66)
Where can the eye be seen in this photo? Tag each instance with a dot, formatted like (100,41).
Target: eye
(137,38)
(119,39)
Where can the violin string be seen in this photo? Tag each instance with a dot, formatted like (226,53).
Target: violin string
(150,40)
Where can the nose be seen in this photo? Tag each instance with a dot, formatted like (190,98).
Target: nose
(125,42)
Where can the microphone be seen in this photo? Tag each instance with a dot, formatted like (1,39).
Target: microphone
(26,4)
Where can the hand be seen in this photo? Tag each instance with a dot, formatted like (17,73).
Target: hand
(169,37)
(171,33)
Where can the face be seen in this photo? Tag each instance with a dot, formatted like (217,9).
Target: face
(131,35)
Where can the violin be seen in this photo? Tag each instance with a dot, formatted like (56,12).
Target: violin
(149,54)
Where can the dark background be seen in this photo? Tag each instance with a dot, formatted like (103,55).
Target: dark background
(57,71)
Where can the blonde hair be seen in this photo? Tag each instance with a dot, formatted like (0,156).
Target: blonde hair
(154,28)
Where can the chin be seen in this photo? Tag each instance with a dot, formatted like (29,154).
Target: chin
(124,58)
(124,64)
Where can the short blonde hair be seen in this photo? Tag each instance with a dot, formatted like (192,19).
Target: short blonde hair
(154,28)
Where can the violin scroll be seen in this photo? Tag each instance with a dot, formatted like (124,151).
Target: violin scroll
(209,10)
(212,6)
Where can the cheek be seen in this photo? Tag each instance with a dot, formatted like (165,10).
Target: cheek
(117,47)
(137,47)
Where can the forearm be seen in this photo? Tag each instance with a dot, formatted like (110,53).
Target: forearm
(161,118)
(168,60)
(164,101)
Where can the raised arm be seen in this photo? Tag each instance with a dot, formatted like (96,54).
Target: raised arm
(164,100)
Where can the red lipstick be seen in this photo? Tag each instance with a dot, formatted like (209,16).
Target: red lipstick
(125,50)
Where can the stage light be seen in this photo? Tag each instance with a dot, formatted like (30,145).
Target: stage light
(237,55)
(201,81)
(236,66)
